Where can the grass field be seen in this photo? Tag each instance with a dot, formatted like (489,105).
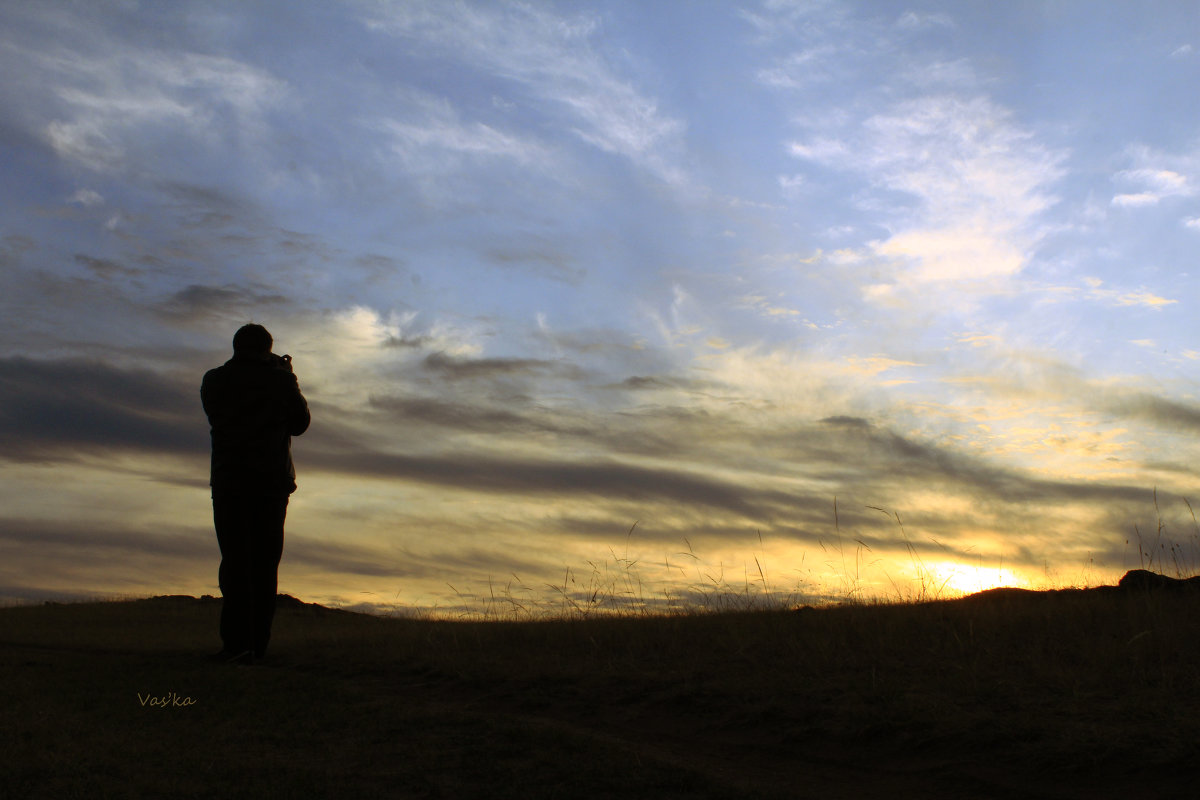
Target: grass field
(1073,694)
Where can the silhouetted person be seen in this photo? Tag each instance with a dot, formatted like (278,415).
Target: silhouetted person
(254,406)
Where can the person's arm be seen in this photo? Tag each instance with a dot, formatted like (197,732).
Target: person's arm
(207,400)
(298,416)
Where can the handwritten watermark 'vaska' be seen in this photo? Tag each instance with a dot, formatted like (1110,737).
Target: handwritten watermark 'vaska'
(168,700)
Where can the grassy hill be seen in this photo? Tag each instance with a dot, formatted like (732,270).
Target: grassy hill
(1006,694)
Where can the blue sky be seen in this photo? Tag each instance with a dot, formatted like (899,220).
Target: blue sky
(551,269)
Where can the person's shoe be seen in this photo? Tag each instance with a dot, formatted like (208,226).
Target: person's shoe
(244,658)
(233,656)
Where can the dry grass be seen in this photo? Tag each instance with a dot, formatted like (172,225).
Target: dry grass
(1059,694)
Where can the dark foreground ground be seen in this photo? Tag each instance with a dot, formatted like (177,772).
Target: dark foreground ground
(1071,694)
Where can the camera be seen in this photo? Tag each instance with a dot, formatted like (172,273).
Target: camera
(283,362)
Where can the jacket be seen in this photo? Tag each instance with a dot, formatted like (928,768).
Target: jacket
(254,407)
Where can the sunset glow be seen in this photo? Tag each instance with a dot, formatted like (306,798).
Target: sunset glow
(822,299)
(963,579)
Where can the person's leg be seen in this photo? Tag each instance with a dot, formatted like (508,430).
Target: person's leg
(235,535)
(268,550)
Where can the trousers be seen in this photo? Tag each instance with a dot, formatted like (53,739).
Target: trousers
(250,534)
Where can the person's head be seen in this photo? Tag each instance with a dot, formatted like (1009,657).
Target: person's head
(252,340)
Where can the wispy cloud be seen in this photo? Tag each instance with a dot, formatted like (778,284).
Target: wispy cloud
(1155,184)
(1155,177)
(916,21)
(107,97)
(979,180)
(1120,297)
(957,182)
(552,59)
(430,138)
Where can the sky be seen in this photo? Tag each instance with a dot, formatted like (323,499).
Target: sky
(606,299)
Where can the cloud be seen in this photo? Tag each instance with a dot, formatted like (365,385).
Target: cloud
(1155,177)
(666,460)
(645,382)
(90,536)
(820,150)
(538,258)
(1136,200)
(915,21)
(602,478)
(107,98)
(1068,397)
(1156,185)
(979,180)
(106,269)
(87,198)
(975,339)
(766,308)
(923,153)
(225,302)
(208,210)
(467,368)
(363,560)
(460,416)
(954,254)
(61,410)
(874,365)
(962,157)
(1143,298)
(13,246)
(553,59)
(857,423)
(800,69)
(957,75)
(1163,413)
(703,467)
(1120,297)
(957,472)
(785,19)
(432,139)
(88,555)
